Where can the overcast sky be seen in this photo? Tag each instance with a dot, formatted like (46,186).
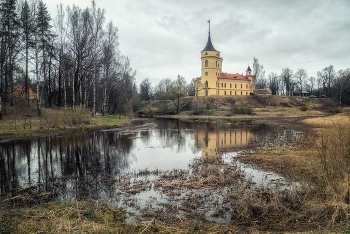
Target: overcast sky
(164,38)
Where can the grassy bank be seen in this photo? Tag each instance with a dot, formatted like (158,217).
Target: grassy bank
(27,123)
(251,107)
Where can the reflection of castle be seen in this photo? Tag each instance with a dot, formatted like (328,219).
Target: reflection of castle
(214,143)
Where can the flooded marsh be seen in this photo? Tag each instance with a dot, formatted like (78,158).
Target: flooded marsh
(165,169)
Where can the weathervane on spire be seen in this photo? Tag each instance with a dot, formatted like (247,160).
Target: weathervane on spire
(209,25)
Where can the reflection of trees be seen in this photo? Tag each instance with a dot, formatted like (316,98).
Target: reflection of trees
(173,133)
(75,162)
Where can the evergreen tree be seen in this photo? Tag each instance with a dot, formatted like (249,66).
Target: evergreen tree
(43,40)
(9,35)
(27,30)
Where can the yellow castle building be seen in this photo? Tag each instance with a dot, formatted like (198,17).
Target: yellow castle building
(215,82)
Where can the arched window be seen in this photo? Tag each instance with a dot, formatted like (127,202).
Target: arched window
(206,63)
(206,84)
(206,53)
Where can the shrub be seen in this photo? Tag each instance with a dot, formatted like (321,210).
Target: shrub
(244,110)
(198,106)
(303,108)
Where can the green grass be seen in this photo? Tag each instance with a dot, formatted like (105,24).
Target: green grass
(108,120)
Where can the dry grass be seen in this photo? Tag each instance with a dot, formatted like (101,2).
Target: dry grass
(295,164)
(329,120)
(53,120)
(92,217)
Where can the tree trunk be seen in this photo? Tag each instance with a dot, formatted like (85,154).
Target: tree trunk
(104,102)
(0,108)
(27,78)
(38,102)
(73,92)
(94,93)
(64,94)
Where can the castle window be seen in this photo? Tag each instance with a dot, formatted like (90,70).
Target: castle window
(206,73)
(241,86)
(235,85)
(246,93)
(235,92)
(216,63)
(206,53)
(230,85)
(241,93)
(225,85)
(246,86)
(222,85)
(206,63)
(225,92)
(206,84)
(230,92)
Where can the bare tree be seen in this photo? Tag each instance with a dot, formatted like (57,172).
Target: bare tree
(146,90)
(287,79)
(96,28)
(259,74)
(300,75)
(312,84)
(61,32)
(341,85)
(273,83)
(176,91)
(327,74)
(109,63)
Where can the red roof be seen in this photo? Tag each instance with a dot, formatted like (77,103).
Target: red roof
(224,75)
(20,92)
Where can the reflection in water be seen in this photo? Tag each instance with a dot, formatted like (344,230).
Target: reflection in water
(70,161)
(215,141)
(88,165)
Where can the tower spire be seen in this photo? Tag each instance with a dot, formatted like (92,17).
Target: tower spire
(209,46)
(209,26)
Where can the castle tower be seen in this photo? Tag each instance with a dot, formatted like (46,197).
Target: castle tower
(248,71)
(211,68)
